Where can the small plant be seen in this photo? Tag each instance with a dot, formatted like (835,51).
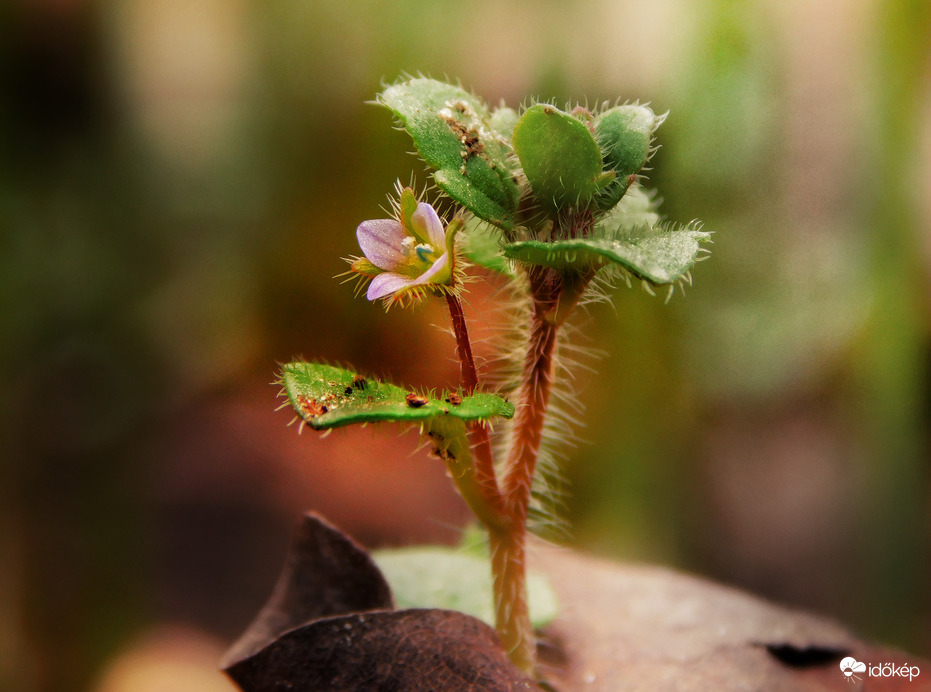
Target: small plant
(551,201)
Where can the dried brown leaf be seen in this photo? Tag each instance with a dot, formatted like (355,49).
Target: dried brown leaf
(326,573)
(388,650)
(329,625)
(623,628)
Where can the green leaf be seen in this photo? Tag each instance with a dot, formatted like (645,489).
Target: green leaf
(560,157)
(624,134)
(449,578)
(503,120)
(326,397)
(660,255)
(630,237)
(482,243)
(454,134)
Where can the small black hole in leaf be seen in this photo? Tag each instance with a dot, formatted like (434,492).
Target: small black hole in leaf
(805,656)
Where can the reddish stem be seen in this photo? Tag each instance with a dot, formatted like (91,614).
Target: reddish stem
(469,375)
(546,287)
(484,466)
(511,502)
(512,613)
(508,547)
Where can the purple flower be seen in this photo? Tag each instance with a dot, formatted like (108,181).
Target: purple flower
(405,255)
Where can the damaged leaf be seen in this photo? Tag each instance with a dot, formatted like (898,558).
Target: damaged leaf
(455,134)
(326,397)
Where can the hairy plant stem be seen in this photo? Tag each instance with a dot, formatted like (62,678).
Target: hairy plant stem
(509,549)
(512,612)
(505,508)
(527,433)
(483,464)
(468,373)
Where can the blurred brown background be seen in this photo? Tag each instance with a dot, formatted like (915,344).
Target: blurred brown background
(179,180)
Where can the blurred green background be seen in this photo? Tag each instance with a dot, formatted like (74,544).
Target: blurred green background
(179,180)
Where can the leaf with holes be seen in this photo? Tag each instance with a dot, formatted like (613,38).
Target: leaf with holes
(455,134)
(326,397)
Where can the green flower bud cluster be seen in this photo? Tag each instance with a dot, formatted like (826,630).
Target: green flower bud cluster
(553,183)
(580,160)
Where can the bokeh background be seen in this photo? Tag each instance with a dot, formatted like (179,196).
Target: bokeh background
(179,180)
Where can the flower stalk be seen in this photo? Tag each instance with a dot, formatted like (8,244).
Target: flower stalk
(484,467)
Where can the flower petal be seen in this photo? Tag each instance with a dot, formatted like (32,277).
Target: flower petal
(435,273)
(380,240)
(386,284)
(427,226)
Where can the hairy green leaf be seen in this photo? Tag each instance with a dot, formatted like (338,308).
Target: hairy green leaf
(455,134)
(661,255)
(482,243)
(624,134)
(631,236)
(560,158)
(326,396)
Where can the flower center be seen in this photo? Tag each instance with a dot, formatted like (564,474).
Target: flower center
(418,256)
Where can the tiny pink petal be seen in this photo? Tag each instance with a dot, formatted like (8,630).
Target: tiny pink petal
(380,240)
(426,220)
(386,284)
(435,269)
(392,282)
